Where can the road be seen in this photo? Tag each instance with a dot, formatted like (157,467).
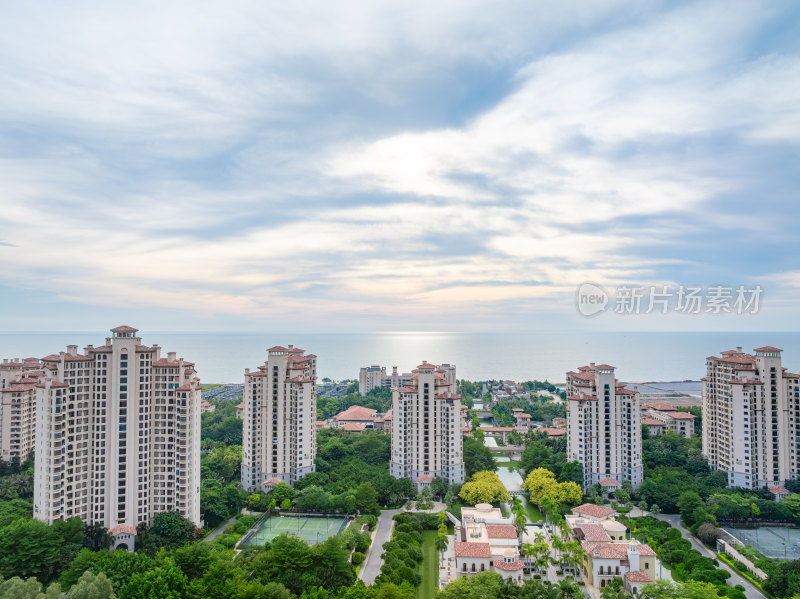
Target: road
(219,529)
(372,562)
(749,590)
(383,532)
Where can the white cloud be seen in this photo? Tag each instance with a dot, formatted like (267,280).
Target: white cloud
(225,156)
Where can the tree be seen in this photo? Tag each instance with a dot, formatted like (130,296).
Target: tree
(280,492)
(477,457)
(485,487)
(170,530)
(688,502)
(707,533)
(541,484)
(162,582)
(483,585)
(439,487)
(663,589)
(285,560)
(654,509)
(622,496)
(367,499)
(92,586)
(784,580)
(286,504)
(29,548)
(97,536)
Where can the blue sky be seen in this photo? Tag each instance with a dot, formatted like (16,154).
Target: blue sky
(375,166)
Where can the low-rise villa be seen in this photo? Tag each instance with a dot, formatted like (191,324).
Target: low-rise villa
(609,553)
(486,541)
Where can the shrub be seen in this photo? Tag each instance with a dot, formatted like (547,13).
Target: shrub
(357,558)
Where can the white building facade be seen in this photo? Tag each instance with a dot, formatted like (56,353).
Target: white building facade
(604,431)
(117,434)
(427,427)
(18,379)
(751,414)
(279,413)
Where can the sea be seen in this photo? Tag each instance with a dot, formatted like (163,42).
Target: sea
(638,357)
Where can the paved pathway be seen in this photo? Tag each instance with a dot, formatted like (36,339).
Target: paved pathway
(749,589)
(372,562)
(219,529)
(383,532)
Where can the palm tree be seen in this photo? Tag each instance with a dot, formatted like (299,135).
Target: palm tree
(567,590)
(441,545)
(519,524)
(526,550)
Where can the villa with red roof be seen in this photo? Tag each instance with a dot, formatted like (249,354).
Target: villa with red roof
(660,421)
(610,553)
(356,415)
(486,541)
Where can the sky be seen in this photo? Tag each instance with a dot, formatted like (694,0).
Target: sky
(407,166)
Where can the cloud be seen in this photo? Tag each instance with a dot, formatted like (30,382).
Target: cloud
(372,165)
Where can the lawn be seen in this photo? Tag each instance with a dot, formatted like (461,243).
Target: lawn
(534,515)
(429,569)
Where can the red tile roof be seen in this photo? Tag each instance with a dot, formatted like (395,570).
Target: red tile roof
(501,531)
(660,407)
(353,427)
(638,576)
(18,388)
(595,511)
(552,432)
(625,391)
(277,348)
(473,549)
(604,366)
(124,329)
(645,549)
(736,359)
(424,478)
(652,421)
(594,533)
(271,481)
(122,528)
(582,397)
(501,564)
(778,490)
(606,550)
(768,348)
(356,413)
(683,415)
(609,481)
(586,376)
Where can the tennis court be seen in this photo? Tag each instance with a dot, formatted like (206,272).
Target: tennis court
(311,529)
(776,542)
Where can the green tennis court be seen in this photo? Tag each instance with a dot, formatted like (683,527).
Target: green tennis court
(311,529)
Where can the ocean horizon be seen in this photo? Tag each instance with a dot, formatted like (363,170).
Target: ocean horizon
(638,357)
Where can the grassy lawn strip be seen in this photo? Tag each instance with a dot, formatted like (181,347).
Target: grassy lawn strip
(429,569)
(534,515)
(743,573)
